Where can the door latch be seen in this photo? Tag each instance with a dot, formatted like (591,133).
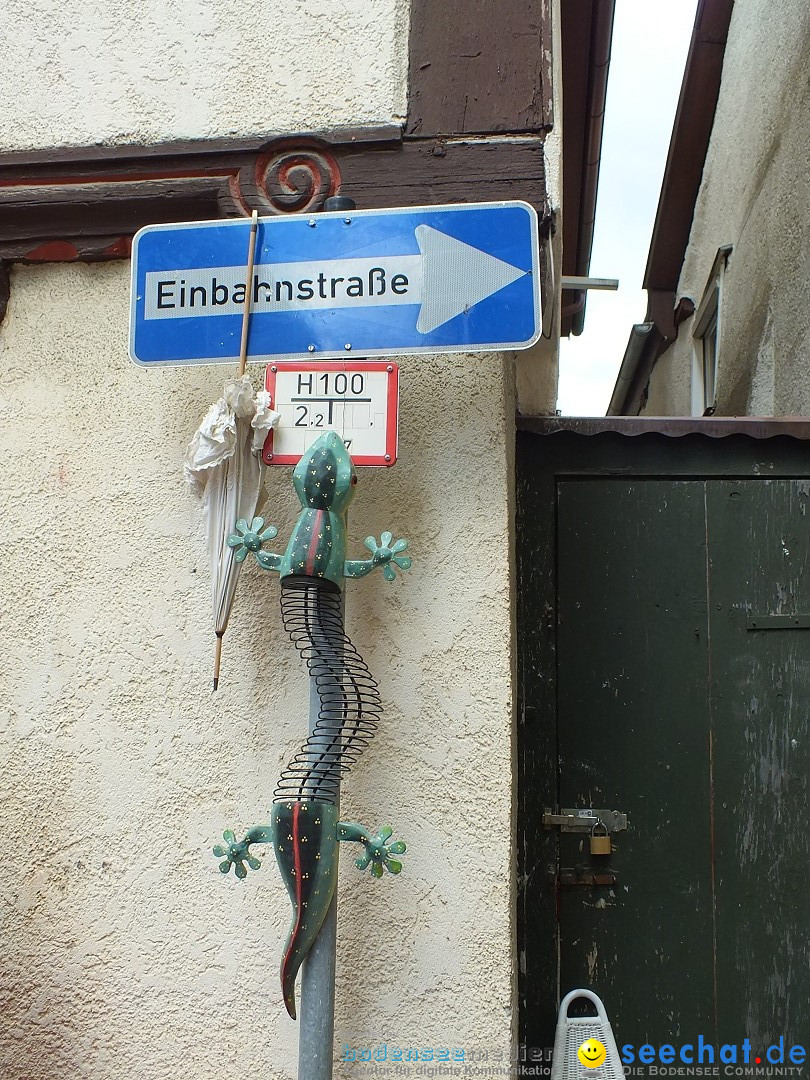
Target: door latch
(583,820)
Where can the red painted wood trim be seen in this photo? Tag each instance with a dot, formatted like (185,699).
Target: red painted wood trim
(55,251)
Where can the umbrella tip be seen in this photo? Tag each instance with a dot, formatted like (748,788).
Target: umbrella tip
(218,657)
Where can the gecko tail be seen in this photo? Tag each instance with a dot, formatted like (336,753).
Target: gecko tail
(306,925)
(305,841)
(296,948)
(288,990)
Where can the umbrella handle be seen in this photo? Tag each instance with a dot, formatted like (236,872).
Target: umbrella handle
(254,222)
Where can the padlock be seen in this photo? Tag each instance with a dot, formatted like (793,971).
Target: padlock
(600,845)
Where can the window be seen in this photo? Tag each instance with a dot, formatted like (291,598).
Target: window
(706,339)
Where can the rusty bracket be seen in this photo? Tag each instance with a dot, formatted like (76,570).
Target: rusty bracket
(577,875)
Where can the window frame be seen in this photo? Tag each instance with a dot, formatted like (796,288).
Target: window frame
(707,337)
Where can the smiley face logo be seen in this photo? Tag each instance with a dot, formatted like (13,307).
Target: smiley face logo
(592,1053)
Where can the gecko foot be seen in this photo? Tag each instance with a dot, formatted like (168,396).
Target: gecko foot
(235,854)
(379,848)
(250,537)
(387,553)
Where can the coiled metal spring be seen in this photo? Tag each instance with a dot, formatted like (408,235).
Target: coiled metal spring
(350,705)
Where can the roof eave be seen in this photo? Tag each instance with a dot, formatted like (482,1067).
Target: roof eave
(689,144)
(691,131)
(586,35)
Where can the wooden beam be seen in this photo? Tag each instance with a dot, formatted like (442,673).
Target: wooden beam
(479,68)
(87,204)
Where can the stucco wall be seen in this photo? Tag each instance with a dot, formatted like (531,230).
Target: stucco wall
(126,953)
(670,389)
(148,72)
(754,195)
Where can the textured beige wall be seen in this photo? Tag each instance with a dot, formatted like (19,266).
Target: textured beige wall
(754,195)
(125,953)
(107,72)
(670,389)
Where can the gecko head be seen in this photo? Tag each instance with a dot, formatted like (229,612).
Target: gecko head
(324,478)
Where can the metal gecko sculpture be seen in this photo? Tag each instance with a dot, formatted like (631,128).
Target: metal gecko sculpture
(305,830)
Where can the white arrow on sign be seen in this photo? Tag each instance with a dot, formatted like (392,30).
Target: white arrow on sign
(456,277)
(447,278)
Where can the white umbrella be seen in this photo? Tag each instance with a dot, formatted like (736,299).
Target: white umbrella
(224,465)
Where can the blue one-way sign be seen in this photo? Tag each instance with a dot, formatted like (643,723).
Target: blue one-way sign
(366,283)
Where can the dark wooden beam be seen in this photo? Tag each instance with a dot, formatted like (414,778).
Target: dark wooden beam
(86,204)
(479,68)
(426,172)
(188,149)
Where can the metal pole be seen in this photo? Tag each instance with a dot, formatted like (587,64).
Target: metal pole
(316,1011)
(316,1033)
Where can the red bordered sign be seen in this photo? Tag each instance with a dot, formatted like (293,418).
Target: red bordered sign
(359,400)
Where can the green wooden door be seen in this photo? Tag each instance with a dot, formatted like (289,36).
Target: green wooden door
(664,628)
(759,593)
(633,736)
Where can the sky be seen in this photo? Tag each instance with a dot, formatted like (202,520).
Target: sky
(650,43)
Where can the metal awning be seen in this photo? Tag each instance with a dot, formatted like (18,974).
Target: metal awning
(797,427)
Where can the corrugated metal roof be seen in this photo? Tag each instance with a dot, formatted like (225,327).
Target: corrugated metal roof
(797,427)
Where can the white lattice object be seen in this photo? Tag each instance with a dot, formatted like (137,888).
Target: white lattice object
(573,1031)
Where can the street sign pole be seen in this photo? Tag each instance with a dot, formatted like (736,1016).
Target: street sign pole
(316,1008)
(316,1032)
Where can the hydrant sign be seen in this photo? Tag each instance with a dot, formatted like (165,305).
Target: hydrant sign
(360,400)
